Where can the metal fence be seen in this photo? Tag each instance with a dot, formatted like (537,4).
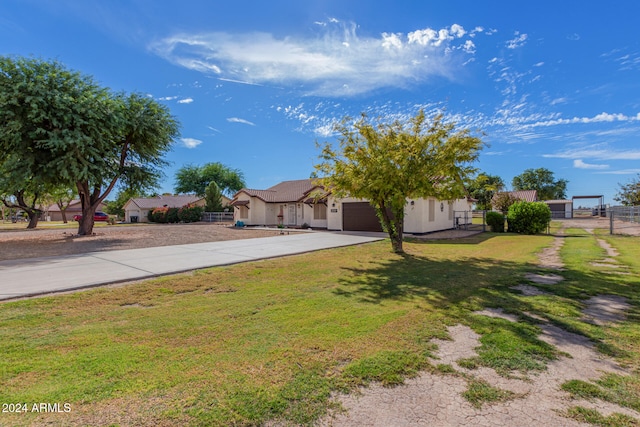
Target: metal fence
(217,217)
(624,220)
(470,220)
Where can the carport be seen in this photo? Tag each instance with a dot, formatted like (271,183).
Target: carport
(600,210)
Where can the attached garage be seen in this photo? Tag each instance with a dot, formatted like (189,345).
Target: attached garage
(359,216)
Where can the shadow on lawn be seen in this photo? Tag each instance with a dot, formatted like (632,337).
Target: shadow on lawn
(477,283)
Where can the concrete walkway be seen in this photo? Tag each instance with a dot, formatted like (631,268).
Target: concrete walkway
(37,276)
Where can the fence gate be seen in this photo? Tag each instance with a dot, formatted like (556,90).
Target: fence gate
(470,220)
(624,220)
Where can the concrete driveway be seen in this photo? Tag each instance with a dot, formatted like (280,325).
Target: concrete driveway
(37,276)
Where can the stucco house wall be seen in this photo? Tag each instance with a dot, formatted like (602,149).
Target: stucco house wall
(421,215)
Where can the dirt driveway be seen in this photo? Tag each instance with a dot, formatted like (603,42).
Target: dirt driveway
(49,241)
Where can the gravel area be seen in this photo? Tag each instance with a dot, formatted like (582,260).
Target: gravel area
(48,241)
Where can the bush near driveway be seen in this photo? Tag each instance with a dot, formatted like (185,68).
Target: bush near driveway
(528,217)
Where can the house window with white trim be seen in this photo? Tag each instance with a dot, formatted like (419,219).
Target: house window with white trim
(319,211)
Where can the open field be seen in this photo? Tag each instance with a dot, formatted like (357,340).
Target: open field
(274,341)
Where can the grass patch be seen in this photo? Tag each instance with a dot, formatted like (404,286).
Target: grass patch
(621,390)
(270,340)
(508,347)
(591,416)
(480,392)
(388,368)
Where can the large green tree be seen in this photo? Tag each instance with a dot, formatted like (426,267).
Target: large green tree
(543,181)
(194,179)
(390,163)
(483,187)
(629,193)
(61,128)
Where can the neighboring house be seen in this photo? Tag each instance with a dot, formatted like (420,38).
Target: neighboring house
(559,208)
(524,195)
(137,209)
(290,203)
(295,203)
(75,208)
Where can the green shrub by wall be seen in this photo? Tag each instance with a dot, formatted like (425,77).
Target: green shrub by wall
(495,220)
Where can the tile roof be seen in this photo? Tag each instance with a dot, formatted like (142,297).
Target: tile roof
(284,192)
(73,205)
(526,195)
(169,201)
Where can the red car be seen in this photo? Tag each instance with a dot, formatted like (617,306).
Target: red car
(98,216)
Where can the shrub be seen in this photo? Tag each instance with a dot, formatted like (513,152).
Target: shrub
(172,215)
(495,220)
(159,215)
(190,213)
(528,217)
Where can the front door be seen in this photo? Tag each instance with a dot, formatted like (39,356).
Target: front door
(292,215)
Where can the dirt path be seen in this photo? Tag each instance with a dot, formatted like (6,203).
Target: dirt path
(436,400)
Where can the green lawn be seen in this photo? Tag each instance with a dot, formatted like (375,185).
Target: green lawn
(271,340)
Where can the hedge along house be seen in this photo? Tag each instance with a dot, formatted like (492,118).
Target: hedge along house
(295,203)
(137,209)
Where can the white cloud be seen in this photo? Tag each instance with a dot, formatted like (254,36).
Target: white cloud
(167,98)
(238,120)
(337,63)
(431,37)
(185,101)
(578,163)
(190,142)
(599,118)
(518,41)
(623,172)
(597,152)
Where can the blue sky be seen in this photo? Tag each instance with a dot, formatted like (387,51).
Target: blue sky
(255,84)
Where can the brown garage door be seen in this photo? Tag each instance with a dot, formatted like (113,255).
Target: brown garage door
(359,216)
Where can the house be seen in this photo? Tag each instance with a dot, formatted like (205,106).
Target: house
(137,209)
(524,195)
(75,208)
(289,203)
(300,202)
(559,208)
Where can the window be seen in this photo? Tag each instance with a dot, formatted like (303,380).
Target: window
(243,212)
(319,211)
(450,211)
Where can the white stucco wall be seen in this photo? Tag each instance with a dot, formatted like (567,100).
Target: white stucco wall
(416,219)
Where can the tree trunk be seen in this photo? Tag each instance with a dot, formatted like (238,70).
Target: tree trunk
(394,227)
(34,216)
(85,225)
(63,212)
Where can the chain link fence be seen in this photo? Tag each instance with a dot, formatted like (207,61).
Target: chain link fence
(470,220)
(624,220)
